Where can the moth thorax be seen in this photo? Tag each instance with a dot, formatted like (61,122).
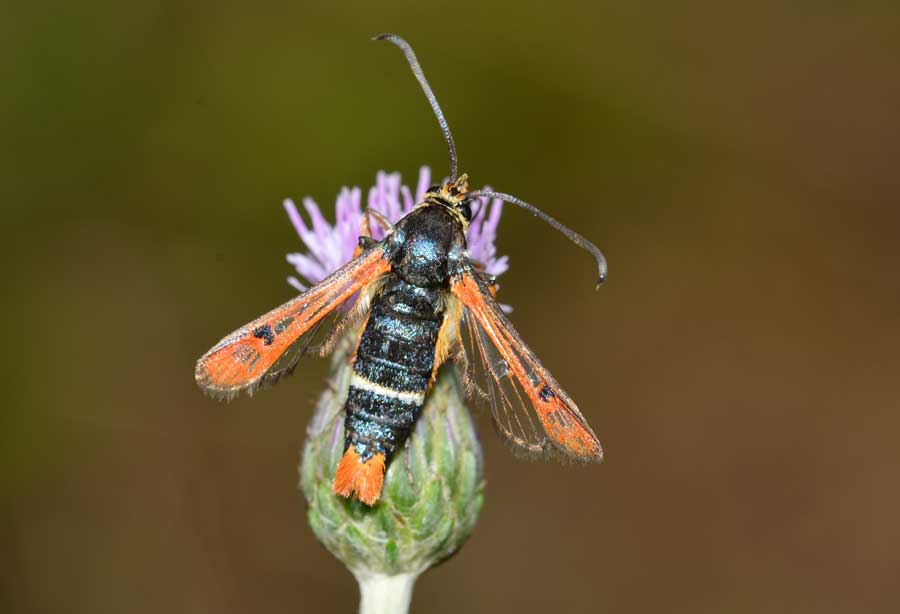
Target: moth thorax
(430,234)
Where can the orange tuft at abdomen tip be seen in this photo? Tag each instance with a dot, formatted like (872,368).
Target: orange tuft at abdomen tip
(362,479)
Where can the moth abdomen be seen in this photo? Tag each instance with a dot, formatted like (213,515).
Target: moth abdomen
(391,375)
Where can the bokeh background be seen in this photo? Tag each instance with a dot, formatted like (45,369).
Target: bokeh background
(736,162)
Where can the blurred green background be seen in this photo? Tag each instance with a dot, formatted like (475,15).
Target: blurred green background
(737,164)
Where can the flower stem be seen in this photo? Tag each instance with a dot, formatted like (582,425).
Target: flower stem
(383,594)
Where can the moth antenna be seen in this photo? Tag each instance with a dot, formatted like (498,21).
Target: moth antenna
(573,236)
(420,76)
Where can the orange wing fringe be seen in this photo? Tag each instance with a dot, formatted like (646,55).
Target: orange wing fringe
(363,478)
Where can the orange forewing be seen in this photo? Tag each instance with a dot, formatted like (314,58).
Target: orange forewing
(240,360)
(560,418)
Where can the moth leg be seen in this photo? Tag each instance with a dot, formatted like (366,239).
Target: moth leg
(379,217)
(490,280)
(365,240)
(363,243)
(365,230)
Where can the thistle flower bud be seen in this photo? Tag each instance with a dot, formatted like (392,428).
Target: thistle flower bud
(433,488)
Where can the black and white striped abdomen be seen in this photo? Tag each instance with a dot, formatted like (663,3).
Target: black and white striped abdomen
(393,367)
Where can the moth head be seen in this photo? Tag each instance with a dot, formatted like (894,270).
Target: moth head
(454,196)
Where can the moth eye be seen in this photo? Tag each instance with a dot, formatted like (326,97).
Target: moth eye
(465,207)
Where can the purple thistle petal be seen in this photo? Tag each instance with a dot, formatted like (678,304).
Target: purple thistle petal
(393,194)
(407,199)
(308,266)
(494,221)
(498,266)
(320,226)
(296,283)
(322,231)
(424,183)
(294,215)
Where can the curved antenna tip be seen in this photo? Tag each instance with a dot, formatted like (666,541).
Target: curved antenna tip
(573,236)
(413,62)
(601,269)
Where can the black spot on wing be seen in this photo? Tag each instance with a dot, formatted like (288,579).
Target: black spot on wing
(283,324)
(546,394)
(265,333)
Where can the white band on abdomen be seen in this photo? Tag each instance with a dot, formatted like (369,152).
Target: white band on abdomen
(407,397)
